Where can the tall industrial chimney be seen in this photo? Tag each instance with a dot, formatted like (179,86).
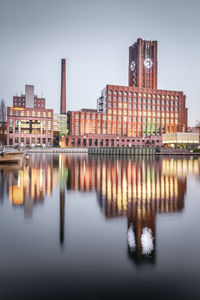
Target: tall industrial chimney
(63,88)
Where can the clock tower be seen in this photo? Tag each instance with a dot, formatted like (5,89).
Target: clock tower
(143,64)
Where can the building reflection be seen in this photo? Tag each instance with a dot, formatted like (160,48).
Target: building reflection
(136,188)
(29,184)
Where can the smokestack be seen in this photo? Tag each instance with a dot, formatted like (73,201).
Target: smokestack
(63,88)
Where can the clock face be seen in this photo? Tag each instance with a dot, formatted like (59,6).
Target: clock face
(148,63)
(132,66)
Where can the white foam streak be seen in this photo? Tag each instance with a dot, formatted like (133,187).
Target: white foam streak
(131,238)
(147,241)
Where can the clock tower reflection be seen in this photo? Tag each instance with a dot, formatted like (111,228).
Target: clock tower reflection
(136,188)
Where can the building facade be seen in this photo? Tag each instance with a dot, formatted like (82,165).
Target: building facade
(136,112)
(29,123)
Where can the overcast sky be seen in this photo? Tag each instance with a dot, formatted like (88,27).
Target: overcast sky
(94,37)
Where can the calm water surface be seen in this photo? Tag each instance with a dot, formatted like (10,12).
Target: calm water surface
(79,227)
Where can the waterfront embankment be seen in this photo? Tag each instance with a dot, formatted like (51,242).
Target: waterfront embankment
(113,151)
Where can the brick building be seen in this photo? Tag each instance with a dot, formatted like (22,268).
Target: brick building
(29,123)
(134,113)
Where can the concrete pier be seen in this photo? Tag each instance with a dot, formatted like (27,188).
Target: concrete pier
(120,151)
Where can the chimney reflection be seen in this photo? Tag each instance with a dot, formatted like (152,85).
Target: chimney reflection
(62,169)
(137,188)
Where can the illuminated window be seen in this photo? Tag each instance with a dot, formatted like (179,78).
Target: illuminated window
(28,113)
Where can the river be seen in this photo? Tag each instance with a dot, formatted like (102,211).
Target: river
(89,227)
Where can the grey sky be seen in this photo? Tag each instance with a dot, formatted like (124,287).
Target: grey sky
(94,36)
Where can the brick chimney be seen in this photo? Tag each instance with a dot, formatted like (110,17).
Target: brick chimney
(63,87)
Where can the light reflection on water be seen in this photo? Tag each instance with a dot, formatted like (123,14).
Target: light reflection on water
(135,188)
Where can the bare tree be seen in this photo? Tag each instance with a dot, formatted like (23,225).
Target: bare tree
(2,122)
(2,111)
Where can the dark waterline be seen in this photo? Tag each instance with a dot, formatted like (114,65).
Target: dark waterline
(79,227)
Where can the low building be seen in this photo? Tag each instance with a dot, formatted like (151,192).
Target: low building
(180,139)
(29,123)
(59,128)
(60,124)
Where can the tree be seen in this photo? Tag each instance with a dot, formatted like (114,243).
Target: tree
(2,123)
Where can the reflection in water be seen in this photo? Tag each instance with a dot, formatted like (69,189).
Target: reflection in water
(31,183)
(137,188)
(133,187)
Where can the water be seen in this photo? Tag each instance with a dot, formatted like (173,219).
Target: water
(79,227)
